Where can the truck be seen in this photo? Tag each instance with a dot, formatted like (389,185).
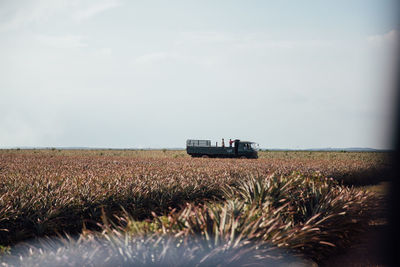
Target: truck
(235,149)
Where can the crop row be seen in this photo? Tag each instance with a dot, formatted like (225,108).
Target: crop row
(264,220)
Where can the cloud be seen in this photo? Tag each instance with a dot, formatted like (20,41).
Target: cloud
(152,58)
(391,38)
(62,41)
(95,9)
(16,15)
(20,130)
(158,57)
(246,40)
(207,37)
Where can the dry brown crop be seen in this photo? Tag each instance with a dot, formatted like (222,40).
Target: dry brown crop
(44,192)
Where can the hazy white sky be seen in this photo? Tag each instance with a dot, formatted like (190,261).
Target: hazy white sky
(109,73)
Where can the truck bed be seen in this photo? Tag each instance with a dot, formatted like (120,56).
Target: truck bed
(210,151)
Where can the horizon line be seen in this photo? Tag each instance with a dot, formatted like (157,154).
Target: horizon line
(183,148)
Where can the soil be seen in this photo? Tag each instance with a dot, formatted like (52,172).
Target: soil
(370,247)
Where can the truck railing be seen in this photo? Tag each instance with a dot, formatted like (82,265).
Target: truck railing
(198,143)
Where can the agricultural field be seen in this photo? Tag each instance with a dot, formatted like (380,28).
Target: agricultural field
(164,208)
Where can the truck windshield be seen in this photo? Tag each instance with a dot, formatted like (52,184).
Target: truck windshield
(254,146)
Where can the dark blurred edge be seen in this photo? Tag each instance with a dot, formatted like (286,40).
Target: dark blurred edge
(390,247)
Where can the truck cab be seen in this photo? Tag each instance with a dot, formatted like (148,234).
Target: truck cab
(246,149)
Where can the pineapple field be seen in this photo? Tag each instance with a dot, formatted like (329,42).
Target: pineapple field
(164,208)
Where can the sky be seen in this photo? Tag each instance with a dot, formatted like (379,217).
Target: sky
(151,74)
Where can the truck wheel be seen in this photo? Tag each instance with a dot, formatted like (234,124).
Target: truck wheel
(205,156)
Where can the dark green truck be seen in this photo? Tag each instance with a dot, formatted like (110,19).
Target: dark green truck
(236,149)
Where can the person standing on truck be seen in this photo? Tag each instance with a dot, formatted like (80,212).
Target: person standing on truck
(223,143)
(231,142)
